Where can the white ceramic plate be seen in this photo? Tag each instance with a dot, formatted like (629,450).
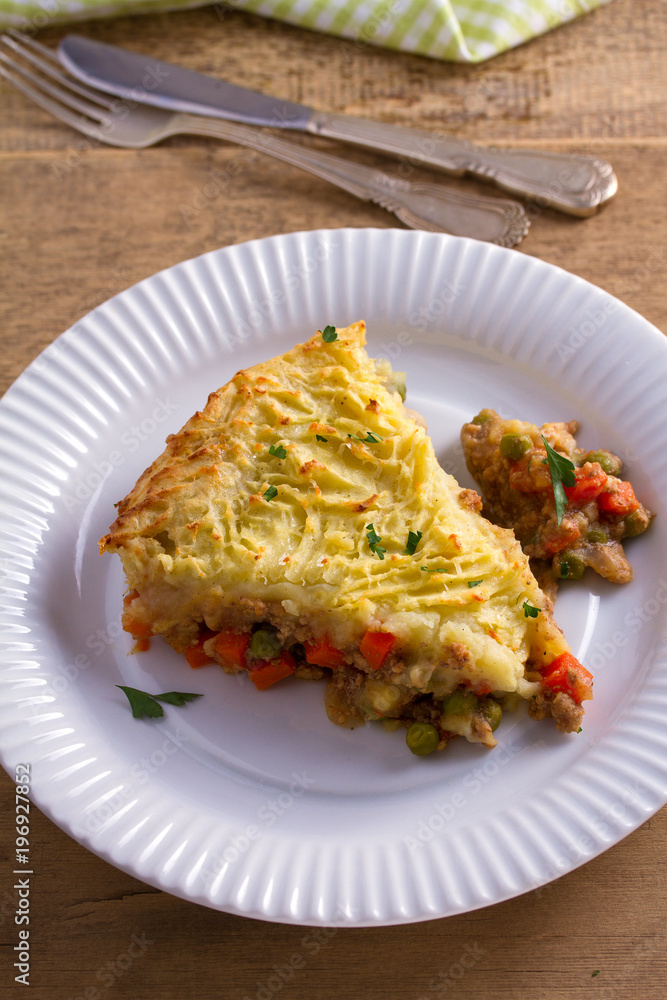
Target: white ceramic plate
(254,803)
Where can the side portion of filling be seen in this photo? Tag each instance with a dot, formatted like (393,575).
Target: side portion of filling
(509,461)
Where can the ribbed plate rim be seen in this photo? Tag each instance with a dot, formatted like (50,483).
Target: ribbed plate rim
(629,753)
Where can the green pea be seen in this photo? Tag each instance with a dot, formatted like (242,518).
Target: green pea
(597,533)
(514,446)
(481,418)
(492,712)
(572,567)
(610,463)
(422,738)
(264,644)
(460,703)
(636,523)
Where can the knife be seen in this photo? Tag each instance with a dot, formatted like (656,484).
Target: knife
(572,183)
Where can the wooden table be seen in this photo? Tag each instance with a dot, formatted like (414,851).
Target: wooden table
(80,222)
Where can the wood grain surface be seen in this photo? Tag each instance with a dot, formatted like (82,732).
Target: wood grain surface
(80,222)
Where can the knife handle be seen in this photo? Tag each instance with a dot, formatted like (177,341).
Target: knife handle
(570,182)
(433,207)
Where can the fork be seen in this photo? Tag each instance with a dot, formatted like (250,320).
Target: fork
(115,122)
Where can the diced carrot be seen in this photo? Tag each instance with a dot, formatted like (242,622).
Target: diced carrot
(137,629)
(195,654)
(558,537)
(376,646)
(589,481)
(529,475)
(480,688)
(323,653)
(196,657)
(231,648)
(566,674)
(619,498)
(264,673)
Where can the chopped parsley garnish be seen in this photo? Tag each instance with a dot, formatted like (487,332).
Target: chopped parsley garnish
(529,611)
(562,473)
(597,971)
(370,438)
(329,334)
(374,542)
(580,730)
(425,569)
(414,538)
(278,451)
(270,493)
(142,703)
(320,438)
(475,583)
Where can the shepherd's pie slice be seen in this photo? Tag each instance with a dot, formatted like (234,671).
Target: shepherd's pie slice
(300,524)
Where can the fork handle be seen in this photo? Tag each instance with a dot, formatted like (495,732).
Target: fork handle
(420,206)
(575,184)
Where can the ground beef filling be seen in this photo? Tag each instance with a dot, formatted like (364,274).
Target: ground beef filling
(508,459)
(561,707)
(363,683)
(357,690)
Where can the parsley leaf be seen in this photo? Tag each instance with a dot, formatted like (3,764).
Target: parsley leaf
(580,730)
(329,334)
(425,569)
(142,703)
(561,470)
(529,611)
(414,538)
(146,704)
(278,451)
(270,493)
(596,973)
(177,698)
(474,583)
(320,438)
(370,438)
(374,542)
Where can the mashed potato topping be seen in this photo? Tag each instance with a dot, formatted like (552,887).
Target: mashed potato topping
(300,523)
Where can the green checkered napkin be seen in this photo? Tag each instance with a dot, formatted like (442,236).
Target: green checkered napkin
(465,31)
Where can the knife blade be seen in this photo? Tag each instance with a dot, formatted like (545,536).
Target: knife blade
(140,78)
(571,183)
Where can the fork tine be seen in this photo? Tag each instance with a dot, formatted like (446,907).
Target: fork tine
(30,50)
(39,97)
(71,102)
(22,39)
